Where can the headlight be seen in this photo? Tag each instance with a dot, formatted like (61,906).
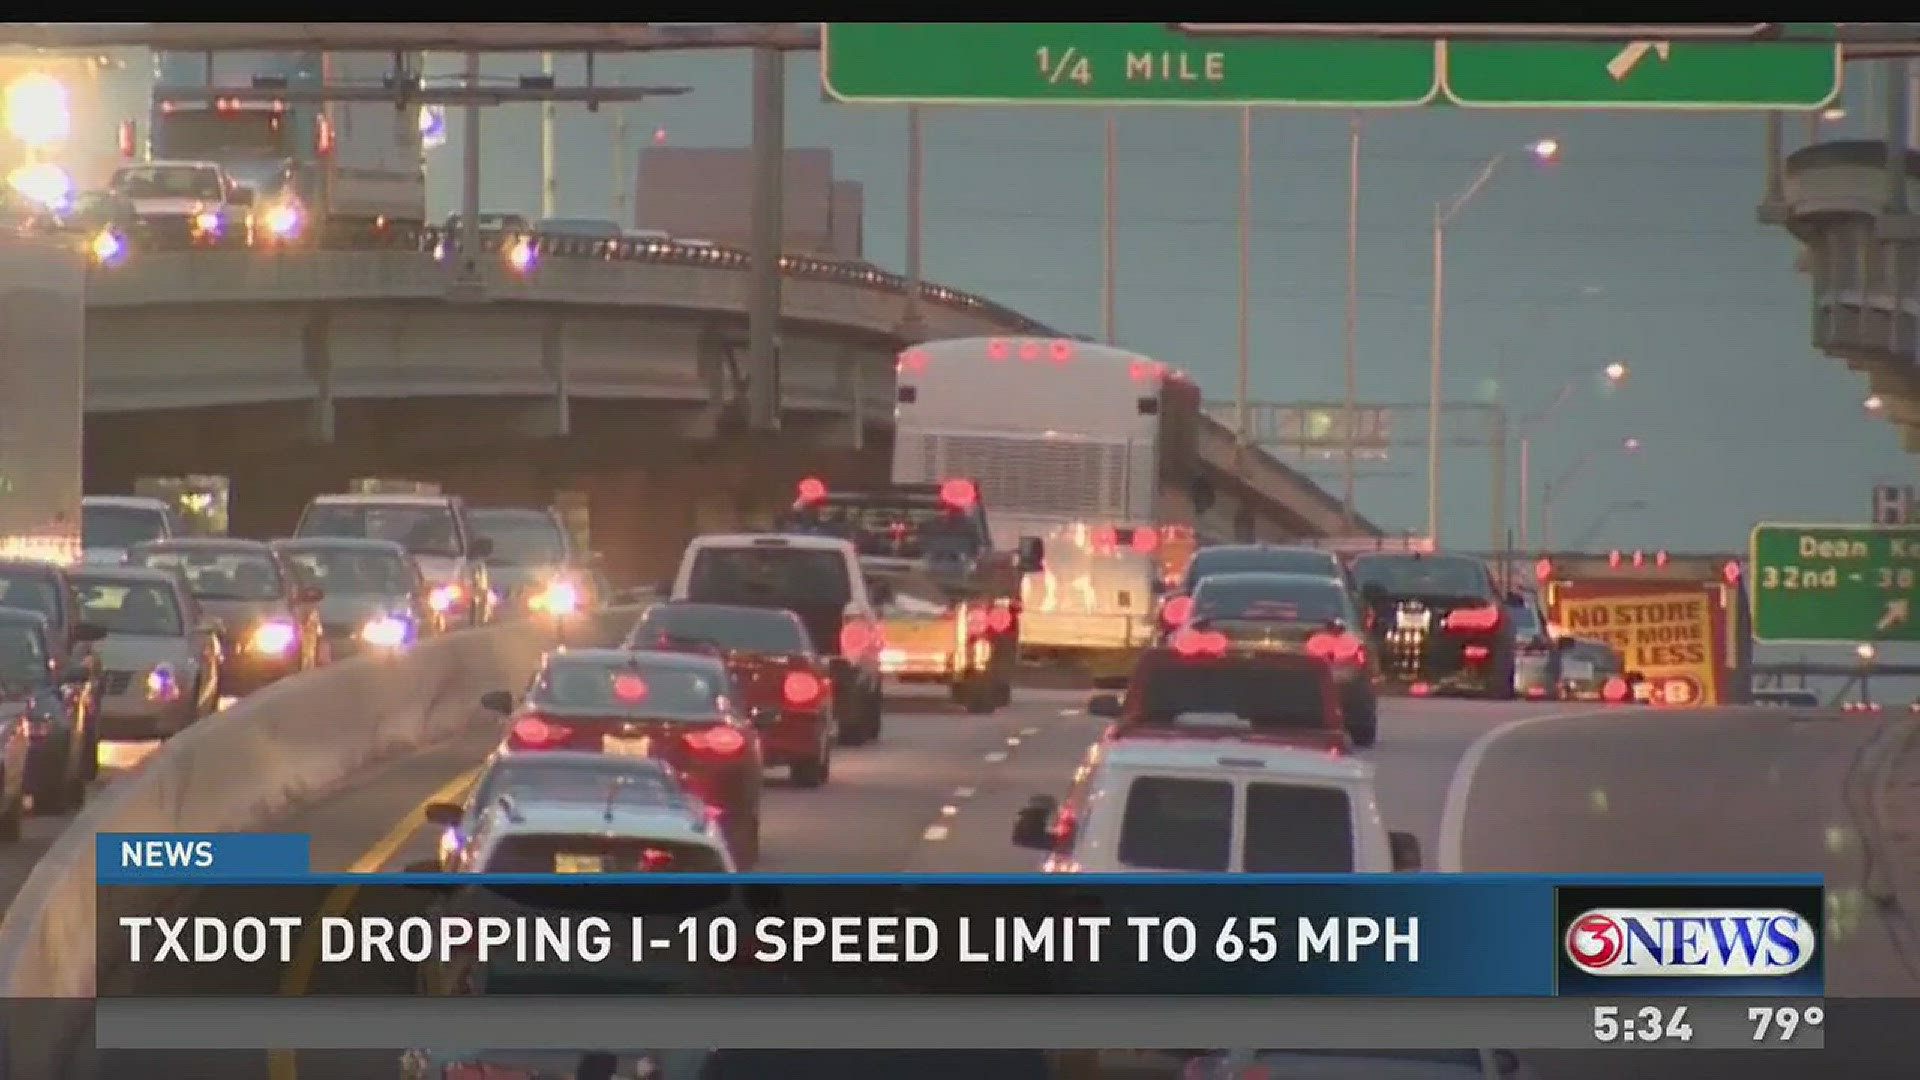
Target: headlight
(556,598)
(283,221)
(161,685)
(207,221)
(107,247)
(445,598)
(386,632)
(272,638)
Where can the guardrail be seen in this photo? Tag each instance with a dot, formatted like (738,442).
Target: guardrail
(234,771)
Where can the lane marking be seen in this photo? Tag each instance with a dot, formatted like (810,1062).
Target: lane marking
(949,810)
(963,792)
(1069,712)
(283,1064)
(934,832)
(1453,815)
(1029,732)
(1013,740)
(996,756)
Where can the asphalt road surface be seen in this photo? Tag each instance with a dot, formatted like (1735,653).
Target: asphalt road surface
(1485,786)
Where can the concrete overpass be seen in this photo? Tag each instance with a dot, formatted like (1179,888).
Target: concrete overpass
(1853,209)
(600,370)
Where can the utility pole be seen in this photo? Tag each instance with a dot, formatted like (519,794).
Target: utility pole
(1353,318)
(763,303)
(469,260)
(910,321)
(1109,235)
(549,166)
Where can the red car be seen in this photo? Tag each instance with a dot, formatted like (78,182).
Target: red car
(677,707)
(783,683)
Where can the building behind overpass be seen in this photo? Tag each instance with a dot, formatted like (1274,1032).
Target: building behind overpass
(707,192)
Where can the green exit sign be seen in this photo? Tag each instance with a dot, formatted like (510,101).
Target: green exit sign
(1834,584)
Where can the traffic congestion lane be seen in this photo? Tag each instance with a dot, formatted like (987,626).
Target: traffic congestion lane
(1724,790)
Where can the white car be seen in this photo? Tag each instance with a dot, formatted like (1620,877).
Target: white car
(110,524)
(1208,795)
(1359,1065)
(817,578)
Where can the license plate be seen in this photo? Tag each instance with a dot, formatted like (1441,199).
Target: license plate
(1576,670)
(1413,620)
(614,744)
(579,864)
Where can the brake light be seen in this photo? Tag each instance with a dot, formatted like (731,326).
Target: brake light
(1731,572)
(1177,610)
(1337,648)
(1000,620)
(1660,558)
(856,638)
(976,623)
(655,859)
(801,688)
(1615,690)
(1420,689)
(1029,350)
(1477,619)
(812,490)
(127,139)
(323,136)
(1105,537)
(629,687)
(959,494)
(536,731)
(1639,558)
(717,740)
(1062,351)
(1476,653)
(1200,643)
(1613,560)
(1543,571)
(913,360)
(1145,541)
(996,349)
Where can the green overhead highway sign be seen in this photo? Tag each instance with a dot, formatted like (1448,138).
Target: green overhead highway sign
(1643,74)
(1835,584)
(1113,64)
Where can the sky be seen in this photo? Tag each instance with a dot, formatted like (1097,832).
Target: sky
(1639,245)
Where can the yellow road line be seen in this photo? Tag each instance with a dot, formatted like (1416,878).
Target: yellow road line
(283,1064)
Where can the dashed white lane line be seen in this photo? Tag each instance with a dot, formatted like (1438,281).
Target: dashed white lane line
(1069,712)
(1029,732)
(996,756)
(1013,740)
(963,792)
(949,810)
(934,832)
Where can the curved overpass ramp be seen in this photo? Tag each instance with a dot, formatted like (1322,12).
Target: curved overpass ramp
(197,358)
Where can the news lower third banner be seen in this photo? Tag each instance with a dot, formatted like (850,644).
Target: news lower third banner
(235,925)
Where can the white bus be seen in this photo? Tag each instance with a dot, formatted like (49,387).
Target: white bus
(1075,443)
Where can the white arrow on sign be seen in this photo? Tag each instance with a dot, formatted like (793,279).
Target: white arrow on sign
(1627,59)
(1897,611)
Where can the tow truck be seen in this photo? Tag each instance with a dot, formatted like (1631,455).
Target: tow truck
(949,603)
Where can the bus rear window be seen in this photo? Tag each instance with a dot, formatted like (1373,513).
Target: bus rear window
(1175,824)
(1297,829)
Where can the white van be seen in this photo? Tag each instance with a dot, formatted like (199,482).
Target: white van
(1214,797)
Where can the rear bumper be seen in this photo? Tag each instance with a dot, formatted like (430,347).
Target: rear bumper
(794,736)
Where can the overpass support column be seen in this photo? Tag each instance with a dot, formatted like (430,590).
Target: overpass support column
(316,356)
(553,359)
(853,383)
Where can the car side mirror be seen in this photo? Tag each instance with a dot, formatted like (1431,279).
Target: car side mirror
(481,548)
(87,632)
(444,813)
(1031,826)
(497,701)
(1033,554)
(1105,706)
(1406,851)
(311,594)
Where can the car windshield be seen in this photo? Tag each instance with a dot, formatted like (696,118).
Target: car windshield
(1210,561)
(534,778)
(422,530)
(596,854)
(344,571)
(898,530)
(120,526)
(23,656)
(619,688)
(218,575)
(1427,575)
(146,609)
(169,182)
(520,538)
(791,577)
(1277,601)
(1265,691)
(736,629)
(29,592)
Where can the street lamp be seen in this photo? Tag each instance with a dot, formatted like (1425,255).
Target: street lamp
(1615,373)
(1542,151)
(1552,491)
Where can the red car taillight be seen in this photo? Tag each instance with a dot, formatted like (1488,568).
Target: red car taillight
(1476,620)
(801,689)
(1338,648)
(856,638)
(1176,611)
(536,731)
(721,741)
(982,622)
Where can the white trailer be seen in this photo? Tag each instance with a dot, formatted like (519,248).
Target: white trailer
(43,322)
(1068,441)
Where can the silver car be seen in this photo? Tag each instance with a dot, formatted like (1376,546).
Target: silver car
(160,659)
(373,597)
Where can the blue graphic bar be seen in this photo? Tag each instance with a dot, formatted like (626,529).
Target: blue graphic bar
(193,858)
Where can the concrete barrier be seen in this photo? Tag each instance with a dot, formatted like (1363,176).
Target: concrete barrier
(239,770)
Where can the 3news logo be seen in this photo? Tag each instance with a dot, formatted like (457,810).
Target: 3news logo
(1687,940)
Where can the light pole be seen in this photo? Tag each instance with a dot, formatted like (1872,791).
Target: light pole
(1109,233)
(1614,373)
(1558,487)
(1240,429)
(1444,213)
(1353,318)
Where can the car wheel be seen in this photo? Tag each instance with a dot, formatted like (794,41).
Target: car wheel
(978,696)
(814,771)
(1363,722)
